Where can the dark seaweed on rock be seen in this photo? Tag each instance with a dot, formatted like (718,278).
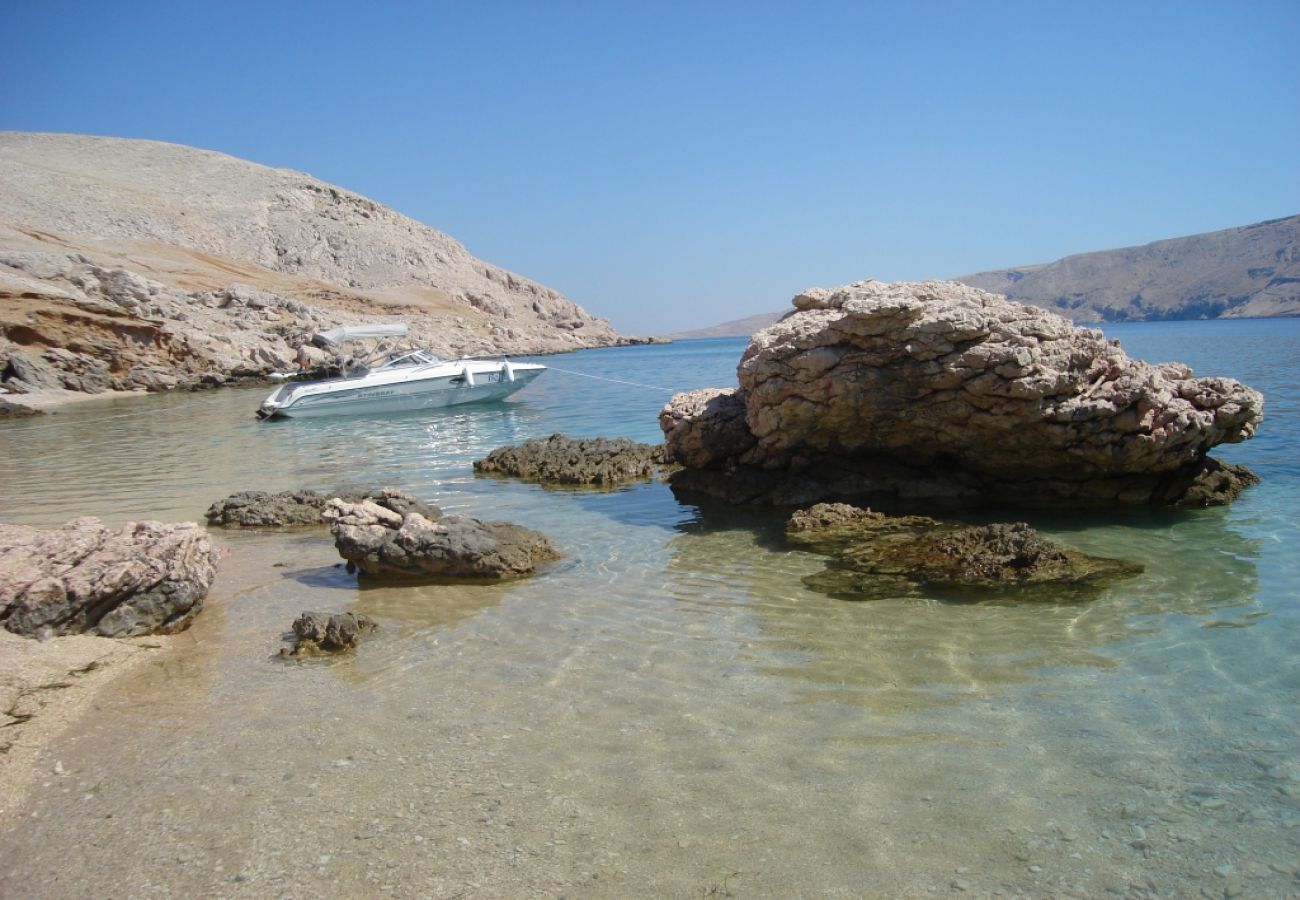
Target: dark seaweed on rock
(317,632)
(562,460)
(876,556)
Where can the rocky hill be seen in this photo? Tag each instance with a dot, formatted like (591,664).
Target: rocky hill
(1246,272)
(1237,273)
(735,328)
(128,264)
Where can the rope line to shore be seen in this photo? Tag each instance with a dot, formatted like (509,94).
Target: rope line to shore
(652,387)
(36,426)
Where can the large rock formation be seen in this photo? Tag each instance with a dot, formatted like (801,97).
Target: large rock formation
(384,542)
(146,578)
(937,389)
(139,265)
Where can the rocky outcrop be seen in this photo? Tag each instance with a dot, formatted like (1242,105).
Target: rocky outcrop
(383,542)
(876,556)
(561,460)
(317,632)
(137,265)
(302,508)
(146,578)
(936,389)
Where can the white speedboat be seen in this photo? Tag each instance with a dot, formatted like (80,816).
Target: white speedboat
(395,380)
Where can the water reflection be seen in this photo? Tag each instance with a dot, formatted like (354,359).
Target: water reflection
(906,654)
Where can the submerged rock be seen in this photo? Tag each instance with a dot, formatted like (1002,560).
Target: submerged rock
(288,509)
(316,632)
(146,578)
(876,556)
(936,389)
(561,460)
(383,542)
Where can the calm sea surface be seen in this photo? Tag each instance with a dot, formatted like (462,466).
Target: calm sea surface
(669,712)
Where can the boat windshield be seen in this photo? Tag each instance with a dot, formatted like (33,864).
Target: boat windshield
(407,359)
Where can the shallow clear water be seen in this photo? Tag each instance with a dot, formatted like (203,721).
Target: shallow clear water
(669,711)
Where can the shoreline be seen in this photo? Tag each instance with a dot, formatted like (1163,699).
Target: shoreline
(45,688)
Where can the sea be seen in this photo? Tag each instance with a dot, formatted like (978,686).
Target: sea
(669,711)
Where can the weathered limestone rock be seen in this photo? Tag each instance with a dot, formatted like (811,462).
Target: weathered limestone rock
(561,460)
(317,632)
(384,543)
(877,556)
(289,509)
(706,428)
(936,389)
(147,578)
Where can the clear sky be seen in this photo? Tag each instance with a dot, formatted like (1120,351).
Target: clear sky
(674,165)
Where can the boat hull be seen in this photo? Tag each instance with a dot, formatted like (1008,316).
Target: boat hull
(425,393)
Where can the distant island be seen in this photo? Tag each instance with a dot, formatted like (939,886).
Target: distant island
(1247,272)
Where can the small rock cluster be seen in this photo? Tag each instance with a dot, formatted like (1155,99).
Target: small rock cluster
(318,632)
(301,508)
(146,578)
(561,460)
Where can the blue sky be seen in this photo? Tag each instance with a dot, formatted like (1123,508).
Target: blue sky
(673,165)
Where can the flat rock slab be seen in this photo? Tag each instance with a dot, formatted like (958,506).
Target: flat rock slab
(302,508)
(562,460)
(874,556)
(384,543)
(146,578)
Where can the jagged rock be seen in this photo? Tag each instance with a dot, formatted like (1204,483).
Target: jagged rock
(288,509)
(316,632)
(384,543)
(875,556)
(706,428)
(561,460)
(147,578)
(936,389)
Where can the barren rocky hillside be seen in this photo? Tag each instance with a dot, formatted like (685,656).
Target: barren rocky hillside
(129,264)
(1236,273)
(1247,272)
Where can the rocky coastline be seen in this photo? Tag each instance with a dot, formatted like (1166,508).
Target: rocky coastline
(132,265)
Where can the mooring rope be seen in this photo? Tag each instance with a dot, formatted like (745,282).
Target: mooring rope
(37,425)
(652,387)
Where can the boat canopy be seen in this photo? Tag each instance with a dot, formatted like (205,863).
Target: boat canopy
(356,333)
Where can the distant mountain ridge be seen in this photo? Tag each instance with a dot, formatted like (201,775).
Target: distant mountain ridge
(1247,272)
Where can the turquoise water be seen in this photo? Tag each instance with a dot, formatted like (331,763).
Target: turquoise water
(669,712)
